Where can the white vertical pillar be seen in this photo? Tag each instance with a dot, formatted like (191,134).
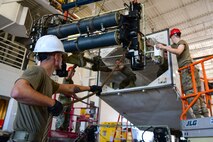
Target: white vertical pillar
(10,115)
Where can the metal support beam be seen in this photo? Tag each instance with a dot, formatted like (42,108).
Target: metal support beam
(77,3)
(196,31)
(192,19)
(172,10)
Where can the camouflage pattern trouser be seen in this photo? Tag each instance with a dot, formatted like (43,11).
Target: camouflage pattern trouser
(62,121)
(199,108)
(129,81)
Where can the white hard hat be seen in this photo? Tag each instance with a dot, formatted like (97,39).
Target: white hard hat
(49,43)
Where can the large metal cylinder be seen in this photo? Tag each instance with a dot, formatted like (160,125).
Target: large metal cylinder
(82,26)
(92,42)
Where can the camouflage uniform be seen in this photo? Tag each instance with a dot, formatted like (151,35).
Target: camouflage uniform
(130,78)
(199,108)
(162,67)
(77,59)
(99,65)
(62,121)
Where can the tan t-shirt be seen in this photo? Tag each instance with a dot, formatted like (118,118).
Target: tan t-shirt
(32,118)
(184,58)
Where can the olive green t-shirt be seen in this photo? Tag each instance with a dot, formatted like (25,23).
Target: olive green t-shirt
(33,118)
(127,72)
(184,58)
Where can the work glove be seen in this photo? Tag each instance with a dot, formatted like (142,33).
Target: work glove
(56,109)
(96,89)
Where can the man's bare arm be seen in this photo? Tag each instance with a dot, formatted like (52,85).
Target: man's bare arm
(24,93)
(70,89)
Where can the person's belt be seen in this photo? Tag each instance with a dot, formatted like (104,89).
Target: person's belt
(25,136)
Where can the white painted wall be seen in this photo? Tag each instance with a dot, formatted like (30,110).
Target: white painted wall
(8,76)
(107,114)
(86,77)
(10,116)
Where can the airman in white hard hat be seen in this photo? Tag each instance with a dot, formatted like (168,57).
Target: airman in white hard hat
(34,89)
(49,45)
